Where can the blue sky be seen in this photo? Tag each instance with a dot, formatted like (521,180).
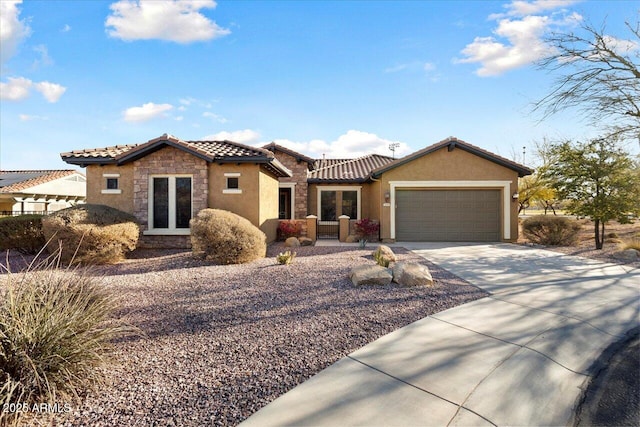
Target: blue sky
(335,78)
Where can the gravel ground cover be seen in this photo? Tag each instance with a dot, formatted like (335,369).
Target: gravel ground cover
(220,342)
(615,234)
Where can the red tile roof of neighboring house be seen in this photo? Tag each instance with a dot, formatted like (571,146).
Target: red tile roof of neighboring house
(452,143)
(211,151)
(16,181)
(346,170)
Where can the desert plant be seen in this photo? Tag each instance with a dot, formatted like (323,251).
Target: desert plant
(226,238)
(22,233)
(286,258)
(551,230)
(381,260)
(633,243)
(55,334)
(289,228)
(366,227)
(91,234)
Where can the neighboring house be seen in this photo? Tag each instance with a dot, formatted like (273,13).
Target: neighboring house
(449,191)
(166,181)
(40,191)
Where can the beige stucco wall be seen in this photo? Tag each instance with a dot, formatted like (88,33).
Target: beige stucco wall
(268,216)
(444,165)
(258,201)
(96,183)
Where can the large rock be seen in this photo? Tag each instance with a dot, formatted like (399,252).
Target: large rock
(305,241)
(412,274)
(351,239)
(628,255)
(370,275)
(292,242)
(386,253)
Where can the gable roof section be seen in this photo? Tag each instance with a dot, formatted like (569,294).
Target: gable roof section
(346,170)
(210,151)
(453,143)
(273,147)
(17,181)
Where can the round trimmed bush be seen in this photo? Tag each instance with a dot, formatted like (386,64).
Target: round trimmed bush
(551,230)
(226,238)
(91,234)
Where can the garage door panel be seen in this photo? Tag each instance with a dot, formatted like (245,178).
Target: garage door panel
(448,215)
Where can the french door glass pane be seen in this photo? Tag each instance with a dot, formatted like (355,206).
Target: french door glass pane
(350,204)
(328,206)
(160,202)
(183,202)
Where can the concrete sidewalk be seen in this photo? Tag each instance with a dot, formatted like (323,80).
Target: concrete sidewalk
(518,357)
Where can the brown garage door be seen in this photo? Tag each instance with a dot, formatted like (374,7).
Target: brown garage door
(448,215)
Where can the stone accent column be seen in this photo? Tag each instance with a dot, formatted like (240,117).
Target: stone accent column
(312,227)
(344,227)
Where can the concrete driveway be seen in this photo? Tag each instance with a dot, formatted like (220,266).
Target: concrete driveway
(517,357)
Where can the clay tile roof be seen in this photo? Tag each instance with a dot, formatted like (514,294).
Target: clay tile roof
(453,143)
(299,156)
(346,170)
(16,181)
(211,151)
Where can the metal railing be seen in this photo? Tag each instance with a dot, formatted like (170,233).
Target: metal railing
(12,213)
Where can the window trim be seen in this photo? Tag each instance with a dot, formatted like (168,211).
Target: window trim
(292,186)
(321,188)
(107,176)
(171,230)
(228,190)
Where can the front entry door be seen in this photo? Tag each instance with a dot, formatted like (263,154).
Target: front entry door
(284,203)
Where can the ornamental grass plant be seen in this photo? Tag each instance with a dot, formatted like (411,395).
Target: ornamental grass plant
(56,329)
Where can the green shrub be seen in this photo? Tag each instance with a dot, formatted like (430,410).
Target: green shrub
(91,234)
(226,238)
(285,258)
(22,233)
(381,260)
(551,230)
(55,334)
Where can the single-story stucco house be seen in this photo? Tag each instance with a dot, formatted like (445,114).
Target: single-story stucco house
(449,191)
(40,191)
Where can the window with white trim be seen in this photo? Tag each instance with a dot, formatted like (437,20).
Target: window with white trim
(233,183)
(170,203)
(334,201)
(111,183)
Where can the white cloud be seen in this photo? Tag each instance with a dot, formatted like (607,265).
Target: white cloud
(518,38)
(396,68)
(19,88)
(214,117)
(173,20)
(12,29)
(146,112)
(352,144)
(28,117)
(45,59)
(16,89)
(246,136)
(51,91)
(66,28)
(524,8)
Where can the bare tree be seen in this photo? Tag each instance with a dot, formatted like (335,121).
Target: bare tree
(600,75)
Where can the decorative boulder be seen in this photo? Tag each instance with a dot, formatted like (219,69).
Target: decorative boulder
(628,255)
(292,242)
(305,241)
(370,275)
(412,274)
(351,239)
(386,253)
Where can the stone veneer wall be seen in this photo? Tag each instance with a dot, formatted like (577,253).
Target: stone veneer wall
(299,170)
(170,161)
